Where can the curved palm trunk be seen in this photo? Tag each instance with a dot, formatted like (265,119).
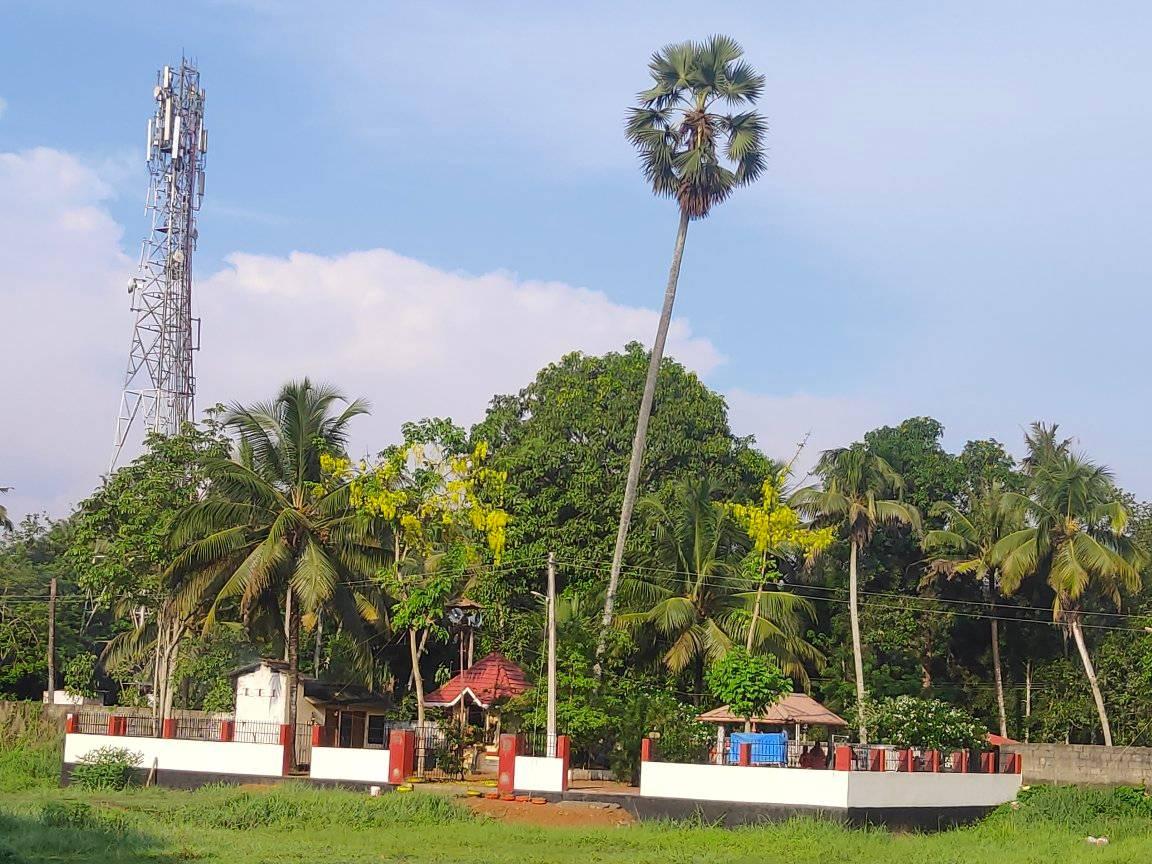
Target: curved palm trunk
(293,638)
(640,440)
(857,649)
(1090,671)
(998,675)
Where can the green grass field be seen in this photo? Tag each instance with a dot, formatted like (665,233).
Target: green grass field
(306,825)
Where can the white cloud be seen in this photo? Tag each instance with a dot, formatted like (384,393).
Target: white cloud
(63,327)
(413,339)
(3,106)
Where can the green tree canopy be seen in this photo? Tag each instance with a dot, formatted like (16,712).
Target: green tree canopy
(748,685)
(564,441)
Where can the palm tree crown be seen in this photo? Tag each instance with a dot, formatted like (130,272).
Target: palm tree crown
(1076,537)
(688,596)
(856,482)
(967,546)
(685,145)
(856,486)
(276,530)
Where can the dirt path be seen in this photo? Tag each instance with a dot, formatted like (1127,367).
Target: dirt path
(562,814)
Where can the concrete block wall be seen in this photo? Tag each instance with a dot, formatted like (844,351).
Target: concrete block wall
(1084,764)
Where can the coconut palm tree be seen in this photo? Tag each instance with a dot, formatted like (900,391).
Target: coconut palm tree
(692,595)
(856,483)
(691,150)
(1076,538)
(276,531)
(966,546)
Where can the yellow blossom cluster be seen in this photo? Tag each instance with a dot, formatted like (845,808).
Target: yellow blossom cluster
(777,529)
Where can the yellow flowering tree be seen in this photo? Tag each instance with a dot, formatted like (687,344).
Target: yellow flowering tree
(444,509)
(777,533)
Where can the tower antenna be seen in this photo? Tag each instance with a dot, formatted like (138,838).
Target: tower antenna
(159,386)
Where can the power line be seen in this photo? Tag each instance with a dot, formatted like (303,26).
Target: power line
(753,583)
(796,590)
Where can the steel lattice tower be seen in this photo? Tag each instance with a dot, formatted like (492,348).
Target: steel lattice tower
(159,383)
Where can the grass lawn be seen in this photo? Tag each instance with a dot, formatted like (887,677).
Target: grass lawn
(329,827)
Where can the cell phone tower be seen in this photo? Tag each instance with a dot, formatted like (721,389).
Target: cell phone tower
(160,387)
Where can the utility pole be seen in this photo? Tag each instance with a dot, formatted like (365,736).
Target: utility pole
(551,720)
(52,641)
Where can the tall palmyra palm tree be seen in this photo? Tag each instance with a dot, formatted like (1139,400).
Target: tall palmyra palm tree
(693,151)
(856,483)
(691,594)
(273,531)
(1077,539)
(966,546)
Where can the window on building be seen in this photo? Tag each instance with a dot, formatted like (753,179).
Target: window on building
(377,730)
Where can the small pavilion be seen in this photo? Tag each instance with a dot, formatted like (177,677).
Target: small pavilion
(795,714)
(479,689)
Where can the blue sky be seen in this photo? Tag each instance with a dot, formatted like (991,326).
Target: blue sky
(953,222)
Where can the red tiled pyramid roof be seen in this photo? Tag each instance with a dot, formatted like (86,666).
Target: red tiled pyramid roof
(494,677)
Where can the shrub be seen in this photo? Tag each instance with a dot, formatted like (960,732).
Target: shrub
(106,768)
(748,684)
(907,721)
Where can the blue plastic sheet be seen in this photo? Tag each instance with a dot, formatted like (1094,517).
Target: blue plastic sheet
(768,748)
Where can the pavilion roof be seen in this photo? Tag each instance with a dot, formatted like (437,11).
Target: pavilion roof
(793,708)
(492,678)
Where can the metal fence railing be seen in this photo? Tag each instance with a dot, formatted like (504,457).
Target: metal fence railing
(537,742)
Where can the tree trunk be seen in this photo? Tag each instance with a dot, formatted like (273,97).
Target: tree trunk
(997,672)
(1090,671)
(755,617)
(169,666)
(316,651)
(857,649)
(418,679)
(293,640)
(999,677)
(1028,702)
(159,675)
(640,440)
(52,641)
(417,676)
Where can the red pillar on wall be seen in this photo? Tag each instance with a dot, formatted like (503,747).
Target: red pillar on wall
(564,753)
(318,736)
(227,730)
(288,742)
(905,761)
(646,750)
(988,762)
(843,758)
(113,725)
(70,724)
(960,763)
(168,728)
(932,757)
(744,755)
(1012,764)
(876,760)
(401,755)
(509,748)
